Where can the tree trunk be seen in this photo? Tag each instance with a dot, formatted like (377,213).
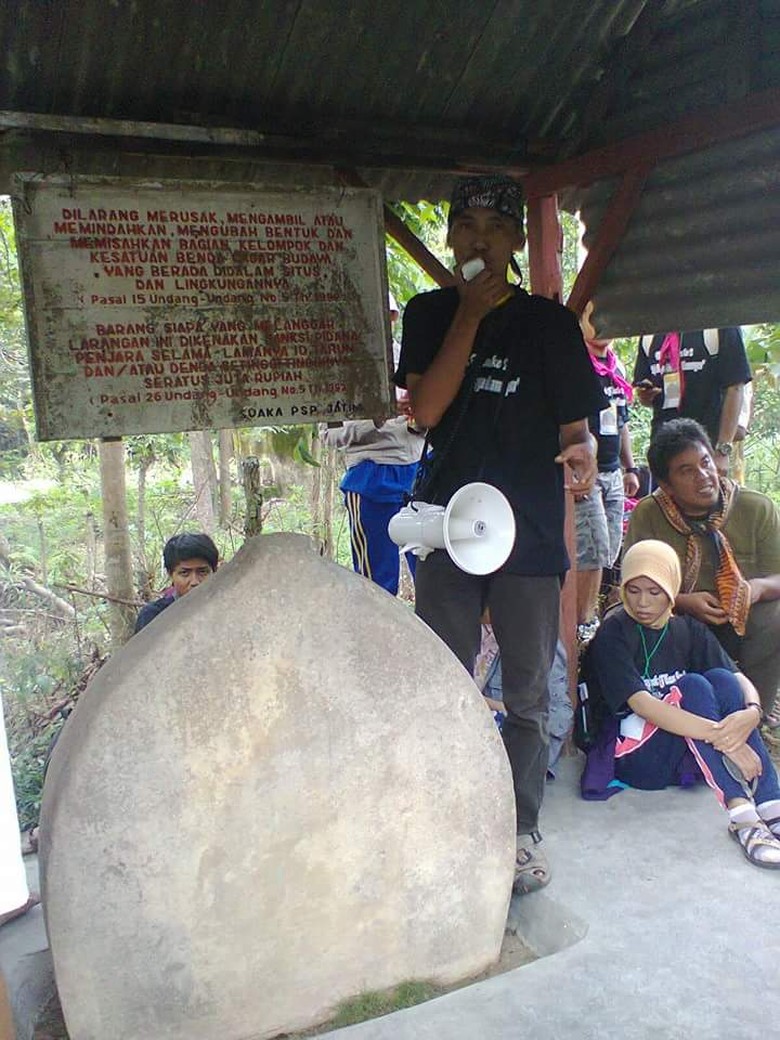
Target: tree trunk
(315,497)
(44,554)
(116,538)
(145,582)
(225,455)
(204,479)
(328,479)
(253,493)
(90,543)
(322,498)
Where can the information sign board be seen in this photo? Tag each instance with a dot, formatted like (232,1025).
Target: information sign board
(167,307)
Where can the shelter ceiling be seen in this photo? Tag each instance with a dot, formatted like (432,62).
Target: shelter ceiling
(408,95)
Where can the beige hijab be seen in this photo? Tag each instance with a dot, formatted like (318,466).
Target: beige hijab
(658,562)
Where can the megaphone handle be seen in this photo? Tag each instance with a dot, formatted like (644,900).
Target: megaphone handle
(420,551)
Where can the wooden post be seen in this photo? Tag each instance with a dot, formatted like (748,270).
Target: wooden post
(545,244)
(116,539)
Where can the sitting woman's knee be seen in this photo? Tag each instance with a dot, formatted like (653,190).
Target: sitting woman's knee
(698,695)
(728,692)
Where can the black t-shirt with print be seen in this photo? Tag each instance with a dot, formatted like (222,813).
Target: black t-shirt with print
(706,376)
(529,374)
(615,659)
(606,425)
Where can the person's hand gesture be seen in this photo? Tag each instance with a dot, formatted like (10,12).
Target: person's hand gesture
(730,733)
(646,392)
(482,294)
(704,606)
(580,459)
(748,761)
(630,485)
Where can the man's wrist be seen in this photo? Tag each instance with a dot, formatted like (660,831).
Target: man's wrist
(757,706)
(631,469)
(681,603)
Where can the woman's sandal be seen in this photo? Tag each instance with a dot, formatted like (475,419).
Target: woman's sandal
(759,845)
(532,871)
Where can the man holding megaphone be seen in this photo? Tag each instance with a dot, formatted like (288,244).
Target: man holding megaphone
(503,381)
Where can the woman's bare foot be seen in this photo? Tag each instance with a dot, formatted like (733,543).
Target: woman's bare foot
(33,900)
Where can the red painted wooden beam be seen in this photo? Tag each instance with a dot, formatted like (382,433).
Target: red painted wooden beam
(545,243)
(702,129)
(416,249)
(403,235)
(621,207)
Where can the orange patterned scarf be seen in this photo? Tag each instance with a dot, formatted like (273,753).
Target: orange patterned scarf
(732,589)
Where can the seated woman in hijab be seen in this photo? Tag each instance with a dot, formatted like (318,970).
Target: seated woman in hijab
(673,689)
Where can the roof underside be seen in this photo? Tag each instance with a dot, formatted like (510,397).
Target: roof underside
(410,94)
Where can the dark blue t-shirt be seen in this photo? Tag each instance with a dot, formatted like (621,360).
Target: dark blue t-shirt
(150,611)
(529,374)
(615,659)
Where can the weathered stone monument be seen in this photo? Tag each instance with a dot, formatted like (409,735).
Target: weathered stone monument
(282,793)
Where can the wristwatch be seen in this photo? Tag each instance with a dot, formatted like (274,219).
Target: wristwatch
(724,448)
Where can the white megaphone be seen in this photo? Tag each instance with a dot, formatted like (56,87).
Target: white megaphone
(477,528)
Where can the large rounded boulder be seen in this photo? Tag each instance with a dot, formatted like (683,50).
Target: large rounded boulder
(282,793)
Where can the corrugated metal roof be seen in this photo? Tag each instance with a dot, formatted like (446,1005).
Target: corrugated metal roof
(701,250)
(508,68)
(410,93)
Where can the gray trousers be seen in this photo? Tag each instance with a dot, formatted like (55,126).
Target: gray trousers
(758,652)
(524,614)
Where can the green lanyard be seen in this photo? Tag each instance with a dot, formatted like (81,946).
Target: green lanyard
(649,655)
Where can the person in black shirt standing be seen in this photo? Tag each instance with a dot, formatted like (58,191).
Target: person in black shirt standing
(504,384)
(697,375)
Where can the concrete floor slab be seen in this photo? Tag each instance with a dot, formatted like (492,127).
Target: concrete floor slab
(663,931)
(682,933)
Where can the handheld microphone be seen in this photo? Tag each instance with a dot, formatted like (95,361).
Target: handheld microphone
(472,268)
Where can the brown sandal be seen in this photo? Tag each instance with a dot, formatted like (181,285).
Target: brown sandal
(532,871)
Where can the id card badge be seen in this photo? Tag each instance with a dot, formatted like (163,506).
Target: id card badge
(632,727)
(672,390)
(608,421)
